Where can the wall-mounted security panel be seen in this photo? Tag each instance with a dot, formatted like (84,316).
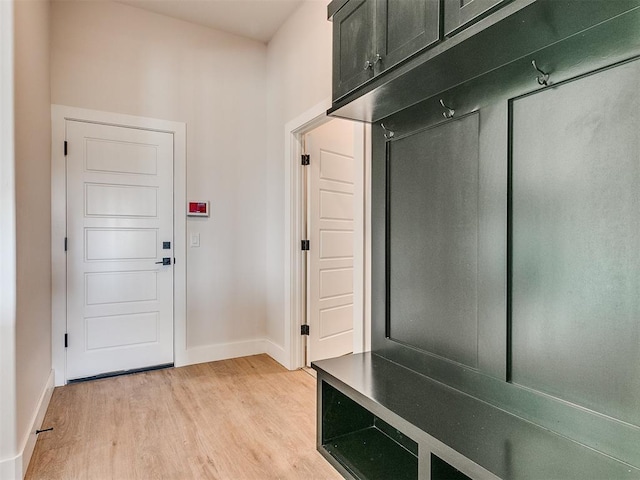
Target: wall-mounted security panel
(198,209)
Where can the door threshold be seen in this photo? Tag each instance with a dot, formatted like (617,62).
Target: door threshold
(119,373)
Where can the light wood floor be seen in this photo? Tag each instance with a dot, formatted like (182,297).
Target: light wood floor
(246,418)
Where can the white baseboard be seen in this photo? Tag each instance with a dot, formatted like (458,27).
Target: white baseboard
(224,351)
(10,468)
(15,468)
(221,351)
(277,353)
(29,443)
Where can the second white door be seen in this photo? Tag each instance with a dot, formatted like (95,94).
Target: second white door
(119,228)
(331,211)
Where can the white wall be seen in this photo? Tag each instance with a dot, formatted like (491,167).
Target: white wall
(8,424)
(113,57)
(298,78)
(25,262)
(236,96)
(33,196)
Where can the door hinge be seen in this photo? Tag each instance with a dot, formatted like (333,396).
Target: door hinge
(66,340)
(65,148)
(306,159)
(65,244)
(305,244)
(304,329)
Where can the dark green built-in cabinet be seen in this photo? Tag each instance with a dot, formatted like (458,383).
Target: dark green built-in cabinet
(353,45)
(370,36)
(505,261)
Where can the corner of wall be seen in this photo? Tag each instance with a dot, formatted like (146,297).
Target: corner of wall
(29,443)
(278,353)
(11,468)
(220,351)
(15,468)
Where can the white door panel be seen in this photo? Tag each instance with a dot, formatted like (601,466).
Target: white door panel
(117,331)
(334,321)
(331,233)
(121,201)
(125,155)
(337,168)
(119,213)
(335,244)
(120,244)
(336,205)
(334,282)
(121,287)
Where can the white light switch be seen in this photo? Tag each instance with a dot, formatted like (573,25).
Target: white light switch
(194,240)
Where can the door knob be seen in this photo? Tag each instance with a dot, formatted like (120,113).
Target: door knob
(368,65)
(165,261)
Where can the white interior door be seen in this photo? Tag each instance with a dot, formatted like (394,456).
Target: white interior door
(331,209)
(119,216)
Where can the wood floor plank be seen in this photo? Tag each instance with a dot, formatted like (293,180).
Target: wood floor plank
(246,418)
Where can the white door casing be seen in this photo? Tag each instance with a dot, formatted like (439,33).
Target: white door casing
(294,352)
(331,212)
(119,212)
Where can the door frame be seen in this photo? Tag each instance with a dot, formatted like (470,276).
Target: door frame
(294,260)
(59,116)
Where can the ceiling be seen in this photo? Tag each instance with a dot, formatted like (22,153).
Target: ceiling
(255,19)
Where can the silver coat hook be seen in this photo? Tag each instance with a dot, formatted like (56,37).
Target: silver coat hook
(449,111)
(543,78)
(387,133)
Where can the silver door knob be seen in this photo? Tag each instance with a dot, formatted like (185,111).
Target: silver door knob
(368,65)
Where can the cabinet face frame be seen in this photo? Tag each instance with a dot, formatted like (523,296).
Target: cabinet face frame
(357,16)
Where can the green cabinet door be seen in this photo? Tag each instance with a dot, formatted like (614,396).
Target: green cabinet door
(370,36)
(458,13)
(353,41)
(403,28)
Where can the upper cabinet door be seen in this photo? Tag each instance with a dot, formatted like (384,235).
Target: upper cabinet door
(458,13)
(353,40)
(404,27)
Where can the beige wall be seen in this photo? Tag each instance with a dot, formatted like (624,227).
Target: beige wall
(298,78)
(112,57)
(235,96)
(33,219)
(8,444)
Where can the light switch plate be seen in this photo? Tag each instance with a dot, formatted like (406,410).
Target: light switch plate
(194,240)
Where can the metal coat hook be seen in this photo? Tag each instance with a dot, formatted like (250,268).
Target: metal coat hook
(388,134)
(543,78)
(449,111)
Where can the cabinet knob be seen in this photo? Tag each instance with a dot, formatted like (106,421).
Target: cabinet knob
(378,58)
(368,65)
